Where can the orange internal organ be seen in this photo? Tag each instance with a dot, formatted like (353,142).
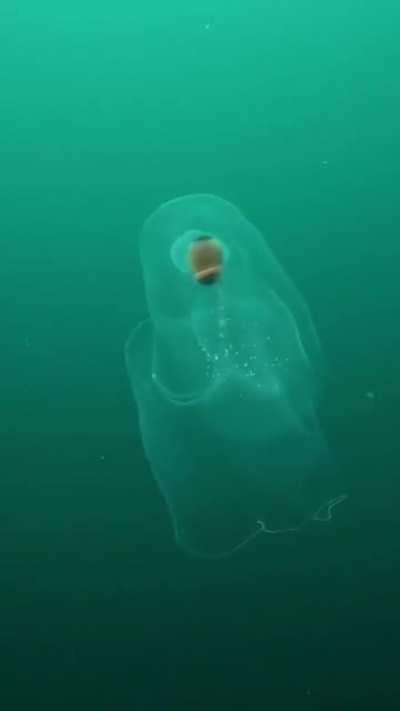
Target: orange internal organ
(205,258)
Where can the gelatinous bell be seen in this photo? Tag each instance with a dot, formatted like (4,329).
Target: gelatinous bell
(225,383)
(205,259)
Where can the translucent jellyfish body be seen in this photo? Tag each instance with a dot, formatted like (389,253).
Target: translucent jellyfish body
(223,375)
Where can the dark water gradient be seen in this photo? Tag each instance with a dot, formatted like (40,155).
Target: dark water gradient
(292,112)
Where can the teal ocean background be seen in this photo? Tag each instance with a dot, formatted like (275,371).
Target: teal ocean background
(290,110)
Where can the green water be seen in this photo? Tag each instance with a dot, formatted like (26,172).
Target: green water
(291,111)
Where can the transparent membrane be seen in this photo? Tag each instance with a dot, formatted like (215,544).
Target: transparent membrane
(223,373)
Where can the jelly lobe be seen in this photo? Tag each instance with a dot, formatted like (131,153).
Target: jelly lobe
(223,375)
